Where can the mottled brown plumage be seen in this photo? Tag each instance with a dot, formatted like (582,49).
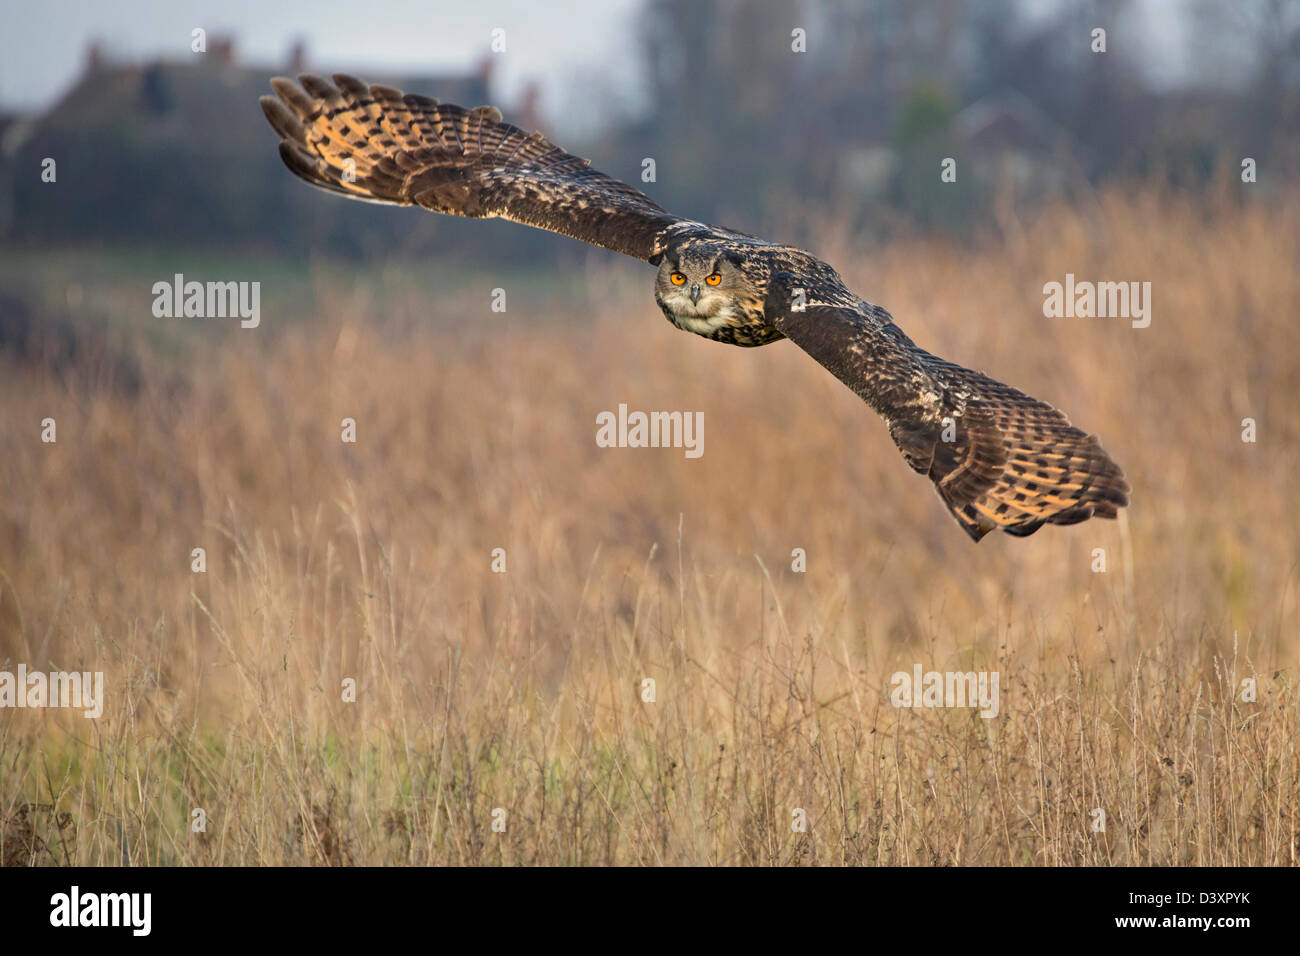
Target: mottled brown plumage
(998,458)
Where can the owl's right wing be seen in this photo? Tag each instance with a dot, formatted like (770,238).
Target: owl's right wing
(377,144)
(999,459)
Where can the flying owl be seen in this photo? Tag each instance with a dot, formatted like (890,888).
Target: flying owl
(998,458)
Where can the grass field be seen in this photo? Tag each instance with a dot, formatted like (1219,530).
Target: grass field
(516,698)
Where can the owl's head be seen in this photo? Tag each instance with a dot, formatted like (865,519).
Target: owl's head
(700,282)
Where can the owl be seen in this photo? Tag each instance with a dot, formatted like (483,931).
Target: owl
(999,459)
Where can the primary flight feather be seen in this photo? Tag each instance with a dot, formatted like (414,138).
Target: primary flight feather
(999,459)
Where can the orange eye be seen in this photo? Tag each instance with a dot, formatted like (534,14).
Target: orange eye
(678,279)
(713,279)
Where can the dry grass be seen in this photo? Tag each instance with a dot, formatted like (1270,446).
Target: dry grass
(521,691)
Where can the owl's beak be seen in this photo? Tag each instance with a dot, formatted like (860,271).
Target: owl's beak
(695,293)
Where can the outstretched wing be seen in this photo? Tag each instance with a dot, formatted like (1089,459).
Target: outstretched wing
(998,458)
(378,144)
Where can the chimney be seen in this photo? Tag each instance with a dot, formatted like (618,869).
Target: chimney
(223,50)
(485,70)
(297,58)
(94,57)
(530,114)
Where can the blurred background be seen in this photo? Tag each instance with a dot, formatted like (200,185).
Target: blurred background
(476,431)
(158,145)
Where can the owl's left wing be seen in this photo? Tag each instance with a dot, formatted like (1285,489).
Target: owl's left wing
(999,459)
(378,144)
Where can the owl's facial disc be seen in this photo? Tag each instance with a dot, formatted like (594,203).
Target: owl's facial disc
(700,289)
(690,285)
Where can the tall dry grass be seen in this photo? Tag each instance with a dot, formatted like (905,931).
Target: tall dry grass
(522,691)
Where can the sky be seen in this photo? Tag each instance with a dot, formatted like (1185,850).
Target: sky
(564,46)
